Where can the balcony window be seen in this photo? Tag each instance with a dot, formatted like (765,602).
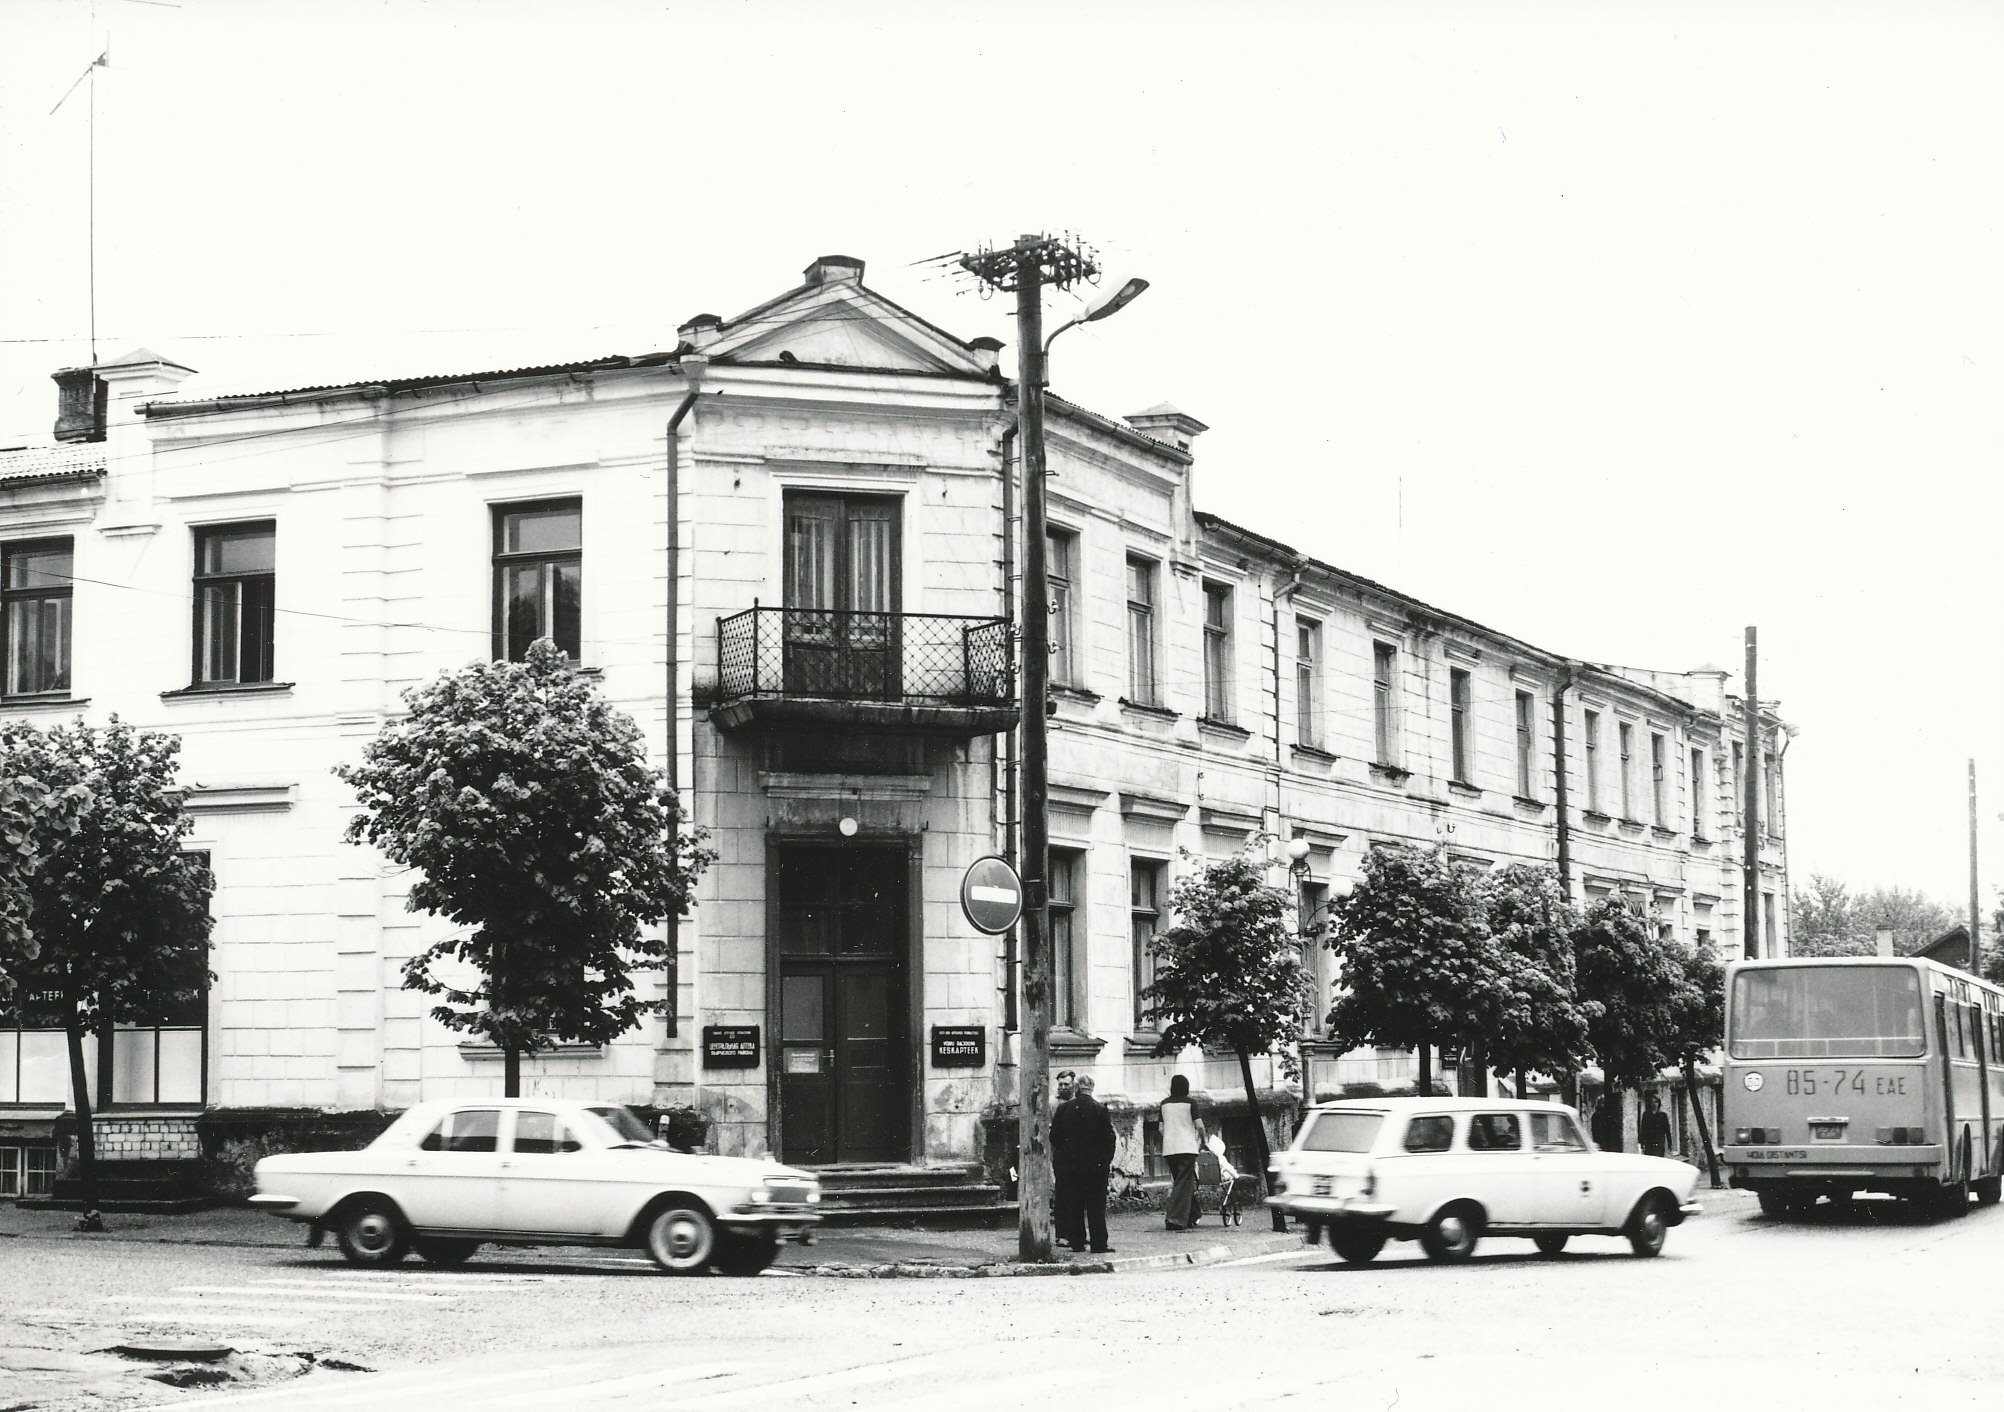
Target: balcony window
(36,579)
(235,597)
(538,577)
(842,592)
(1527,746)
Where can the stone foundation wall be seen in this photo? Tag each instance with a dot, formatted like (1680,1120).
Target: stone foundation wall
(147,1139)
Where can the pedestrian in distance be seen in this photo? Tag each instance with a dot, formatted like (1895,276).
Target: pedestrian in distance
(1182,1140)
(1060,1177)
(1654,1131)
(1082,1146)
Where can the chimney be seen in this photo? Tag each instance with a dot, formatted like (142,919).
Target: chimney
(80,404)
(701,331)
(1882,941)
(1169,425)
(833,269)
(130,383)
(987,352)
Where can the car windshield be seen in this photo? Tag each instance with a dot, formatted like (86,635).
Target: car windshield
(622,1122)
(1342,1132)
(1807,1012)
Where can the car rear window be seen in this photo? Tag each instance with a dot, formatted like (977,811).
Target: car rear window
(1342,1132)
(472,1130)
(1430,1134)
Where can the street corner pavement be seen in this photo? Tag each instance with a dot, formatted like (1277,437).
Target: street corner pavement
(1138,1238)
(219,1225)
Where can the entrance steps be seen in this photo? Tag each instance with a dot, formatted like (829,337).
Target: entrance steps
(947,1197)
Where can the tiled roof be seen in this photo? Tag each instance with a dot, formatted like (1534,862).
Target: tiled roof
(84,458)
(406,384)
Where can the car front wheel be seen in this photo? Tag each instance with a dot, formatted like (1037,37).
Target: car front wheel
(1550,1244)
(370,1232)
(445,1253)
(1451,1235)
(745,1254)
(1649,1225)
(1356,1247)
(681,1238)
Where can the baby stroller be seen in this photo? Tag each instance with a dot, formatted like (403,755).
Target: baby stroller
(1219,1181)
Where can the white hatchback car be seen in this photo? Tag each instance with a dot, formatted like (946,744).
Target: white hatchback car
(1447,1171)
(446,1178)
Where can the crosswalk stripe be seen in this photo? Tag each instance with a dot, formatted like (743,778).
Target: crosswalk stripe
(392,1295)
(231,1320)
(762,1394)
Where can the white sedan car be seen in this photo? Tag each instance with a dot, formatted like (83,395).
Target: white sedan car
(446,1178)
(1447,1171)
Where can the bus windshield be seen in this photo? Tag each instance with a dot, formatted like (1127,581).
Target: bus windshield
(1813,1012)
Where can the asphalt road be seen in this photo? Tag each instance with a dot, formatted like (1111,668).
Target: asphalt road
(1874,1309)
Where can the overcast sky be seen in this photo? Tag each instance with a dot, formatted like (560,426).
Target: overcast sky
(1616,326)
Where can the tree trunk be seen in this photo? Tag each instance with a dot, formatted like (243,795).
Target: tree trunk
(1260,1152)
(86,1128)
(1611,1115)
(1425,1069)
(1569,1091)
(511,1073)
(1698,1113)
(1522,1087)
(1472,1079)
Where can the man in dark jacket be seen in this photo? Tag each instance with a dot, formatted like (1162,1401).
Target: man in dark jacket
(1081,1156)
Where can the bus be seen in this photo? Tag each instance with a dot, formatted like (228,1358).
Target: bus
(1852,1074)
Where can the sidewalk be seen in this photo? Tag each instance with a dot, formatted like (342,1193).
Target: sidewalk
(857,1252)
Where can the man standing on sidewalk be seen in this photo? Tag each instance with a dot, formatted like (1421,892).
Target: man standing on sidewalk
(1082,1146)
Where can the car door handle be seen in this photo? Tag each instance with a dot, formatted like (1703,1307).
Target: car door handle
(1585,1187)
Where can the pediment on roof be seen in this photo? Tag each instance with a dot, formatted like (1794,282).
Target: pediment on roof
(845,325)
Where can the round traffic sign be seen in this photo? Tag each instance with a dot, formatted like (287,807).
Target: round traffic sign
(991,895)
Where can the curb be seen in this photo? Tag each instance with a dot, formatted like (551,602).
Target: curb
(1002,1269)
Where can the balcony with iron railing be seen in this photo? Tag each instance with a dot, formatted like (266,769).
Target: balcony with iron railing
(935,673)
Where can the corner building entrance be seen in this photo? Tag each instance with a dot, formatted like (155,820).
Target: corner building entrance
(842,947)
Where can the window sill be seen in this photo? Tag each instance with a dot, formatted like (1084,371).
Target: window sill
(1594,816)
(42,703)
(1394,773)
(1528,802)
(1212,726)
(1662,832)
(1068,1043)
(1141,1044)
(257,688)
(1313,752)
(1462,787)
(1142,708)
(1633,825)
(1076,693)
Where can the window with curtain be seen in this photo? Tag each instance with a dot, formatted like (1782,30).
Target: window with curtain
(1460,690)
(1142,687)
(1068,971)
(1527,743)
(235,603)
(35,587)
(538,577)
(1217,652)
(1308,682)
(1384,700)
(1061,568)
(1144,918)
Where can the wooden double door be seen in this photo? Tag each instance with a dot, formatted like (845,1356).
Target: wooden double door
(842,949)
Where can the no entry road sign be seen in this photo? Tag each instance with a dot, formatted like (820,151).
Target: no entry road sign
(991,895)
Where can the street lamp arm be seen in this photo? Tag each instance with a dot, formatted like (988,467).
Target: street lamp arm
(1122,297)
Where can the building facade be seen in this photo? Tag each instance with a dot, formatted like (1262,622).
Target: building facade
(783,547)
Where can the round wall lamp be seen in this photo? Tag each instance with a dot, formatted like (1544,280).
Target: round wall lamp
(847,828)
(1297,849)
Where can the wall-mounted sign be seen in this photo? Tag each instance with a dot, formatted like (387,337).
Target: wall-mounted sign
(959,1046)
(991,894)
(730,1046)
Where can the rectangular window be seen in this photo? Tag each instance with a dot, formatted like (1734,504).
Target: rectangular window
(155,1053)
(1068,974)
(1701,795)
(1626,735)
(1141,688)
(1739,778)
(1593,762)
(1217,652)
(1770,802)
(1659,773)
(235,598)
(1061,569)
(1527,742)
(1144,916)
(1770,940)
(1459,692)
(36,579)
(538,577)
(1307,682)
(1384,699)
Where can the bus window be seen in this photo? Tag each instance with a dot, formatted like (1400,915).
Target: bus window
(1803,1012)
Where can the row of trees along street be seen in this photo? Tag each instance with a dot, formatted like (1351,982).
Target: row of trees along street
(1828,919)
(522,800)
(1434,952)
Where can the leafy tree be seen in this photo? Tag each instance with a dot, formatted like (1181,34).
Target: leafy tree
(1540,1025)
(1228,973)
(1916,919)
(525,802)
(1823,920)
(1629,982)
(1419,964)
(120,912)
(1699,1015)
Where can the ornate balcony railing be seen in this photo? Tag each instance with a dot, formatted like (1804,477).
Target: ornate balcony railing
(824,654)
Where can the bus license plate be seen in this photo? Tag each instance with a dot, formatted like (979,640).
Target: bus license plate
(1827,1132)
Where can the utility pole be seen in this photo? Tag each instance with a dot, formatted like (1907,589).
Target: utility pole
(1975,917)
(1025,268)
(1750,779)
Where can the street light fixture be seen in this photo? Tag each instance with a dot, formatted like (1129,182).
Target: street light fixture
(1121,298)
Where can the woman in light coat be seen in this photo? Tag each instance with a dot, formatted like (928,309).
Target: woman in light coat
(1182,1140)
